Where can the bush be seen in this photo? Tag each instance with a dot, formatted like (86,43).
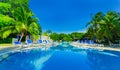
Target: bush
(7,40)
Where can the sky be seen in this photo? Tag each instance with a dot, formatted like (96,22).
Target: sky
(67,16)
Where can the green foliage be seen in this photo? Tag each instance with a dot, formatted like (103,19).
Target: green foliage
(16,2)
(66,37)
(5,20)
(77,36)
(105,26)
(17,18)
(47,33)
(7,40)
(4,7)
(54,36)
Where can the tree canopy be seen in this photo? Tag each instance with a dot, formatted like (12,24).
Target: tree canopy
(66,37)
(105,26)
(17,18)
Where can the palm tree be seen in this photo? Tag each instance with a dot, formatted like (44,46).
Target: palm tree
(5,20)
(105,26)
(5,26)
(24,23)
(27,24)
(4,7)
(110,27)
(94,25)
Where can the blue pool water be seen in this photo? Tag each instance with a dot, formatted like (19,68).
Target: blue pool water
(61,59)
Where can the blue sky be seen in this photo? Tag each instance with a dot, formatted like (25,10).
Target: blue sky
(66,16)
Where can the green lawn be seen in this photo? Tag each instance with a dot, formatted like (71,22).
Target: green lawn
(5,45)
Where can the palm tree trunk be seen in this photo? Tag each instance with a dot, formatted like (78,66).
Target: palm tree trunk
(21,37)
(109,42)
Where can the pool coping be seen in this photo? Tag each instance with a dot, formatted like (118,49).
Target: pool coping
(97,47)
(12,48)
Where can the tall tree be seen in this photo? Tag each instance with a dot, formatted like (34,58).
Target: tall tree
(105,26)
(24,20)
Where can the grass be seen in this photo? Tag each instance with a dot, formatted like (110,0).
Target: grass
(2,46)
(5,45)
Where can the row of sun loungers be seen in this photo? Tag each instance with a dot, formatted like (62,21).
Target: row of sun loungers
(29,43)
(90,43)
(114,45)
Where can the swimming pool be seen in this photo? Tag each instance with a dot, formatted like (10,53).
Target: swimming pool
(61,59)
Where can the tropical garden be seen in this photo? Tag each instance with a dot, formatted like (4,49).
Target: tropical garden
(17,19)
(105,28)
(67,37)
(102,28)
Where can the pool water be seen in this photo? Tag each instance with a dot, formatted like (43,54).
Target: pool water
(61,59)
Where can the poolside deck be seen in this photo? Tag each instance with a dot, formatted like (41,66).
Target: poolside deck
(7,48)
(95,47)
(11,48)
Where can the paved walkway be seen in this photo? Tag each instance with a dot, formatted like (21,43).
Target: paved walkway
(96,47)
(4,49)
